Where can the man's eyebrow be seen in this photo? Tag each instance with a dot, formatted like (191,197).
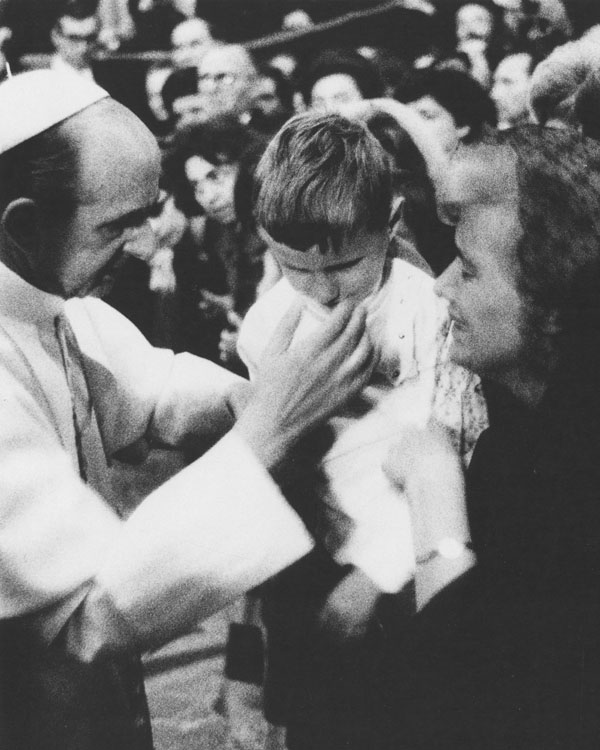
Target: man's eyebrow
(135,217)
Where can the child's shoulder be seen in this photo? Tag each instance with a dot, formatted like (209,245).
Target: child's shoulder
(412,287)
(405,275)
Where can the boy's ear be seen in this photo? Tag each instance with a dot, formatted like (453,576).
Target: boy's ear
(20,223)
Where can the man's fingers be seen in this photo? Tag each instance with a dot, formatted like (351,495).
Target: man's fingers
(339,321)
(361,360)
(284,333)
(343,329)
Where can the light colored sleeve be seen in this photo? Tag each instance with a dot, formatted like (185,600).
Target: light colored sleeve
(215,530)
(72,570)
(140,391)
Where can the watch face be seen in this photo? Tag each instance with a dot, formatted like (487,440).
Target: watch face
(451,548)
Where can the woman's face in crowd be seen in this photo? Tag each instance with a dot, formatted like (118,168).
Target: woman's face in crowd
(334,91)
(213,186)
(439,122)
(487,311)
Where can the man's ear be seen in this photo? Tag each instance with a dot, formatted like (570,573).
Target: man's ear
(20,223)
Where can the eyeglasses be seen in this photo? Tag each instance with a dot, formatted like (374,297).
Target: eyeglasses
(217,80)
(76,38)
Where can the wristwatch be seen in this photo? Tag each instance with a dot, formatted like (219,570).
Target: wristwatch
(448,548)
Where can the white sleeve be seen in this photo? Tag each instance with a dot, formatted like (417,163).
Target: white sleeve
(141,391)
(212,532)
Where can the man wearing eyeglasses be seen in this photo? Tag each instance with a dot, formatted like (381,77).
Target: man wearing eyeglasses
(74,38)
(226,80)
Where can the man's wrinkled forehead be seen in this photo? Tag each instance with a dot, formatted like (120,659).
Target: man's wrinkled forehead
(485,176)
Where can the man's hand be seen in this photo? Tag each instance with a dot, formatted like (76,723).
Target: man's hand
(298,389)
(349,607)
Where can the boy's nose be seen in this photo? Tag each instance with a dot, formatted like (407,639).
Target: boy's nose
(326,289)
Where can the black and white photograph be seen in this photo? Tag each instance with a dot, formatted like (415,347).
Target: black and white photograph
(299,374)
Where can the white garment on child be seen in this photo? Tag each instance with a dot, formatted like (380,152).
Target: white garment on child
(366,521)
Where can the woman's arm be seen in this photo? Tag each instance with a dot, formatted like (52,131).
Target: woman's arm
(423,463)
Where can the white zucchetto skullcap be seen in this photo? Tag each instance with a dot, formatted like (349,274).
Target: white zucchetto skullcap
(35,101)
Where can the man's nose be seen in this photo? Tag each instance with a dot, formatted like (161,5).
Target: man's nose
(141,242)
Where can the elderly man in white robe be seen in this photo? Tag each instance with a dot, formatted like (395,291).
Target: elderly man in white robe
(87,583)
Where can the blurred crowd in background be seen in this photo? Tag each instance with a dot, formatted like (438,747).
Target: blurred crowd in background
(215,79)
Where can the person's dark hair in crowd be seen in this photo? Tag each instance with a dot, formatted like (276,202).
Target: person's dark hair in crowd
(339,77)
(453,103)
(180,84)
(272,101)
(415,224)
(154,23)
(219,262)
(220,141)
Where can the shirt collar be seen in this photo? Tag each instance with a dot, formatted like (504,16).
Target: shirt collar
(22,301)
(61,66)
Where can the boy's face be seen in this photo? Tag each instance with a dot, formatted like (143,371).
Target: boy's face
(351,272)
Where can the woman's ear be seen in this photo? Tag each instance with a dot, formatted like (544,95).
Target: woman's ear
(20,223)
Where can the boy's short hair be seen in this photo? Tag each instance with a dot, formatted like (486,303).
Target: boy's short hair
(322,177)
